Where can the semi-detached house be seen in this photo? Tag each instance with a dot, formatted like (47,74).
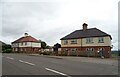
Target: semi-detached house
(26,44)
(87,42)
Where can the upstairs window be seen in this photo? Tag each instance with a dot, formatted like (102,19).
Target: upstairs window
(16,44)
(22,43)
(65,42)
(100,40)
(89,40)
(25,43)
(74,41)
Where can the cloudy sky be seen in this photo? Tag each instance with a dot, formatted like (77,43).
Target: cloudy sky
(50,20)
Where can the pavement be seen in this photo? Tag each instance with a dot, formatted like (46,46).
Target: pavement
(34,64)
(110,61)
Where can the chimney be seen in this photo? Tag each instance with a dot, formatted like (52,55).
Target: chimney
(85,26)
(25,34)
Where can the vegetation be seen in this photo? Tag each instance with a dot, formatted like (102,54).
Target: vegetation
(115,53)
(55,48)
(6,48)
(43,44)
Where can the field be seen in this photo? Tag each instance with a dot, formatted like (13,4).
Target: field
(115,53)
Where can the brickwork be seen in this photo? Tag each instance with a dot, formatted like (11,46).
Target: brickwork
(81,51)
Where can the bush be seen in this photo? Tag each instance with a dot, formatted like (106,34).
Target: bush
(7,51)
(6,48)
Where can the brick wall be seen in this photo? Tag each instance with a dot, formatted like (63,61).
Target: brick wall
(26,49)
(81,51)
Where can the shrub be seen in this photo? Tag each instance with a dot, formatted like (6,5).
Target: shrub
(7,51)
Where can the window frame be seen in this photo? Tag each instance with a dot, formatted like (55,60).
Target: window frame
(89,40)
(21,43)
(90,49)
(73,41)
(25,43)
(65,42)
(101,38)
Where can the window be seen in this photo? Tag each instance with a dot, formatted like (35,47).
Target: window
(100,40)
(89,49)
(74,49)
(25,49)
(65,49)
(25,43)
(74,41)
(16,44)
(89,40)
(65,41)
(13,45)
(21,43)
(100,49)
(21,49)
(16,49)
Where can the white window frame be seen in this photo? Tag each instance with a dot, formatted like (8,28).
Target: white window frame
(21,43)
(90,49)
(74,41)
(16,49)
(89,40)
(65,42)
(101,40)
(25,43)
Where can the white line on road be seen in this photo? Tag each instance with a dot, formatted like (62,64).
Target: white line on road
(26,62)
(10,58)
(57,72)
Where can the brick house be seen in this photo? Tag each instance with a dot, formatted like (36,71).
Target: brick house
(87,42)
(26,44)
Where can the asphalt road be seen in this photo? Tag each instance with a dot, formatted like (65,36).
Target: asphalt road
(18,64)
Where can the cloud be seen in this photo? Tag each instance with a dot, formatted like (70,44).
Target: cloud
(50,20)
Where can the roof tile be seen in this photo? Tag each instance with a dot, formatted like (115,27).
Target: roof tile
(26,39)
(93,32)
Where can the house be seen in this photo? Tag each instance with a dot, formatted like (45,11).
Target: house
(87,42)
(26,44)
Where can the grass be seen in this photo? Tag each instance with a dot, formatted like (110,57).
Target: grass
(115,53)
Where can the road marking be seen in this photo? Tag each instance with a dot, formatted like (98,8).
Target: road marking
(26,62)
(57,72)
(10,58)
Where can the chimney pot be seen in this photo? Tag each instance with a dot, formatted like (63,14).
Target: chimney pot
(85,26)
(26,34)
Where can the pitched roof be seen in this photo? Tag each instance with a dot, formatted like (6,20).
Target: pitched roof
(26,39)
(93,32)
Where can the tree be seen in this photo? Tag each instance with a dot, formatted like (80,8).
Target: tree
(43,44)
(6,48)
(48,46)
(56,46)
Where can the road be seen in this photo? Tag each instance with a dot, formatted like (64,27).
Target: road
(22,64)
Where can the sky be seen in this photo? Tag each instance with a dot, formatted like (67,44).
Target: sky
(50,20)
